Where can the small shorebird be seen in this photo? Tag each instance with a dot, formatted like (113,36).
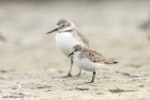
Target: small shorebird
(67,37)
(89,60)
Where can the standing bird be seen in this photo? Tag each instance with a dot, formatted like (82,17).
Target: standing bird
(89,60)
(68,36)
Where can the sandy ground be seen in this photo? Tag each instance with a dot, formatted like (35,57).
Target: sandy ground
(31,66)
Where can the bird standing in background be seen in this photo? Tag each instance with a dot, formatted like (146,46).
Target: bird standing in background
(2,38)
(68,36)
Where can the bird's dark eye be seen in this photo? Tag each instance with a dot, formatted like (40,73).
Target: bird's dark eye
(76,50)
(63,25)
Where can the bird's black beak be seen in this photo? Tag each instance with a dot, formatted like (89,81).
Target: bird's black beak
(71,54)
(56,29)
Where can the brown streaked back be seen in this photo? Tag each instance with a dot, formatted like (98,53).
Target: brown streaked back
(95,56)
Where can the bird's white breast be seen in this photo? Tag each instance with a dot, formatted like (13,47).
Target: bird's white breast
(65,42)
(86,64)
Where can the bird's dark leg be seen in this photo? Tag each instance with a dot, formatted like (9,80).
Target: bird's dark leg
(69,73)
(93,77)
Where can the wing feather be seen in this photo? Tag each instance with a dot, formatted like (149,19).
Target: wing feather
(96,56)
(81,37)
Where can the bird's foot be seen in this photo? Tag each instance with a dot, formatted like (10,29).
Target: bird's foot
(68,75)
(90,82)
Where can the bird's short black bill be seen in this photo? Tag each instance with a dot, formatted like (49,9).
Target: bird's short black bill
(71,54)
(56,29)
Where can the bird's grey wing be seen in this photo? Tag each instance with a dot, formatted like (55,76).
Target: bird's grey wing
(81,37)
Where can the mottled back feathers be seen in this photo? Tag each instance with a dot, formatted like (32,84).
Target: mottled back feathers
(93,55)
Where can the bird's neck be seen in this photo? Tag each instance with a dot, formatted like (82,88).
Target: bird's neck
(67,29)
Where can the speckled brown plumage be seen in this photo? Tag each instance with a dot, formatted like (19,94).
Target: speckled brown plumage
(93,55)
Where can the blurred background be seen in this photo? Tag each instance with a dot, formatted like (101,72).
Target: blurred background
(31,64)
(117,28)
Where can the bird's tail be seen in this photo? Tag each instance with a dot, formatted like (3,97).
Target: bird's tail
(111,61)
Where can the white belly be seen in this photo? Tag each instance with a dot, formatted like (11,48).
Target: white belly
(87,64)
(65,42)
